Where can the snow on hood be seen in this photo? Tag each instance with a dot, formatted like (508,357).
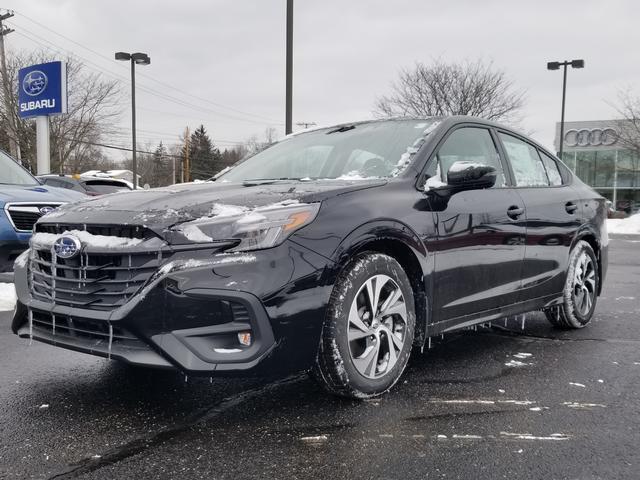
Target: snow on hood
(161,208)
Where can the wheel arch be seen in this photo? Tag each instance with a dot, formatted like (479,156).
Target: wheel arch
(400,242)
(588,234)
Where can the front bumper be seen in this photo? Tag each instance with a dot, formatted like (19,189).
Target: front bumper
(188,318)
(9,251)
(12,243)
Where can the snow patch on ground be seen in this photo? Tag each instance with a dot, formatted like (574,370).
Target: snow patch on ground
(7,297)
(629,225)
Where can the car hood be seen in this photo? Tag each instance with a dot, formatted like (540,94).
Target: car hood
(37,193)
(159,208)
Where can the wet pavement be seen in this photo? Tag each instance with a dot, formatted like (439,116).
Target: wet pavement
(493,403)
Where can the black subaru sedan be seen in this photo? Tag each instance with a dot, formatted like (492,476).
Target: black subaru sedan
(336,250)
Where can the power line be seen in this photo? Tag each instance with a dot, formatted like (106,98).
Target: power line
(263,118)
(120,78)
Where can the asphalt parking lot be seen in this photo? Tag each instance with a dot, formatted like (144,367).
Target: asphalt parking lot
(493,403)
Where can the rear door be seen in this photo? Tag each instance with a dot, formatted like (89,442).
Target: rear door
(479,247)
(552,216)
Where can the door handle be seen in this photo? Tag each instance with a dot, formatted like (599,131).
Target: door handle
(570,207)
(514,212)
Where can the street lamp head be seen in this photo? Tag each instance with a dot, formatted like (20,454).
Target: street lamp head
(141,58)
(123,56)
(577,63)
(553,66)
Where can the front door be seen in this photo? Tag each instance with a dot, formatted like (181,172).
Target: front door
(479,244)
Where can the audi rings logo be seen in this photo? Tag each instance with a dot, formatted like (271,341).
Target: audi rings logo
(590,137)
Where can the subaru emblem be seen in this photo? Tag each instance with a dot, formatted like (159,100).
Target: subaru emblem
(47,209)
(34,83)
(67,246)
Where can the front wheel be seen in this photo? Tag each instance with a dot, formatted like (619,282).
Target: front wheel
(368,331)
(580,290)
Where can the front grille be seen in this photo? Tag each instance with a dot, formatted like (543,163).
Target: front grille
(124,231)
(85,331)
(97,281)
(23,216)
(24,220)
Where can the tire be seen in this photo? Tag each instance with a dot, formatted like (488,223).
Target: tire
(580,290)
(363,355)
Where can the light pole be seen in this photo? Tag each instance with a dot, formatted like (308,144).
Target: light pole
(289,71)
(556,66)
(140,59)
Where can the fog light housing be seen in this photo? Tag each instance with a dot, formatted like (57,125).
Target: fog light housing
(245,338)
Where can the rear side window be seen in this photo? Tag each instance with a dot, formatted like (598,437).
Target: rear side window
(551,166)
(525,162)
(52,182)
(469,144)
(105,186)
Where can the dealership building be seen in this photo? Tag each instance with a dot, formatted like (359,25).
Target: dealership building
(592,149)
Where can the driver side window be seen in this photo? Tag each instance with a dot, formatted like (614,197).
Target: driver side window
(468,144)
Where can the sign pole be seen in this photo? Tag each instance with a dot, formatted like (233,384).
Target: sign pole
(42,145)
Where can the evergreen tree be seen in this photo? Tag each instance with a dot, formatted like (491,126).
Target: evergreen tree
(204,157)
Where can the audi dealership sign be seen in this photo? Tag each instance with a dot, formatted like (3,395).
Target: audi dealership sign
(590,137)
(596,134)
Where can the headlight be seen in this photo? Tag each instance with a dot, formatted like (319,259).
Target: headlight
(263,227)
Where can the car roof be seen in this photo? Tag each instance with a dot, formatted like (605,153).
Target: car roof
(445,122)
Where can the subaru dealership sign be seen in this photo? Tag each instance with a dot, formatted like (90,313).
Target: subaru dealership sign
(42,90)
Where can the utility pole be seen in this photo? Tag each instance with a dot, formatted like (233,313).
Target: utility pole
(14,146)
(306,124)
(187,167)
(289,68)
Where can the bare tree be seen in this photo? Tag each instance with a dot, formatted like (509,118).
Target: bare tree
(628,128)
(438,89)
(93,110)
(253,145)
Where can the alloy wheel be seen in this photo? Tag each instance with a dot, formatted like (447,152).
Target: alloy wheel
(377,326)
(584,284)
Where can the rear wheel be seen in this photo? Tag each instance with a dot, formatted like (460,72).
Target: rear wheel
(580,290)
(368,332)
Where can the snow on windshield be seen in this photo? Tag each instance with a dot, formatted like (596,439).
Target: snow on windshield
(351,152)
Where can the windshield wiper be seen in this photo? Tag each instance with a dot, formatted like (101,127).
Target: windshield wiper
(262,181)
(344,128)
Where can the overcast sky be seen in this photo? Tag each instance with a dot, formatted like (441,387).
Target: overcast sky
(347,52)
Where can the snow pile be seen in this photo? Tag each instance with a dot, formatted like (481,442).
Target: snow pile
(629,225)
(433,182)
(353,175)
(407,156)
(97,241)
(7,297)
(462,166)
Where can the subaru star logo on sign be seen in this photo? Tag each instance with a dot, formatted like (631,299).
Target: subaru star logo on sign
(42,89)
(34,83)
(67,246)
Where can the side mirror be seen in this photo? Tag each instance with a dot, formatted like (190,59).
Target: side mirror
(471,176)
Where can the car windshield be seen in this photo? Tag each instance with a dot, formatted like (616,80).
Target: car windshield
(358,151)
(11,173)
